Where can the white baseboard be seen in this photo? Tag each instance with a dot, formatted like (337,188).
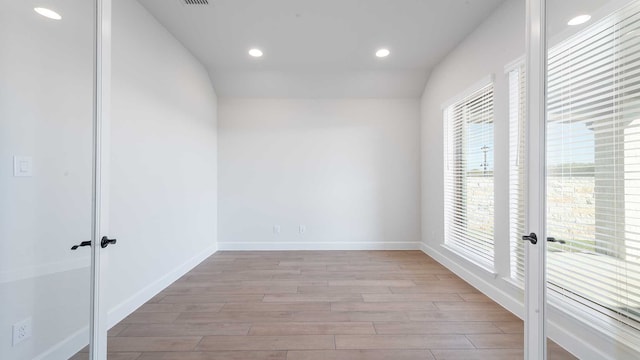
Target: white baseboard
(266,246)
(559,331)
(128,306)
(67,347)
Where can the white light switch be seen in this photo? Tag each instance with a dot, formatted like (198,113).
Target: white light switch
(22,166)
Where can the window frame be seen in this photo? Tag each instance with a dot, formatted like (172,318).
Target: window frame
(454,145)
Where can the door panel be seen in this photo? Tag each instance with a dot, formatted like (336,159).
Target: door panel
(592,218)
(46,176)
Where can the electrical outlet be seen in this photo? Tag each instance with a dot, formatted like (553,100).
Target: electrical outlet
(276,229)
(21,331)
(302,229)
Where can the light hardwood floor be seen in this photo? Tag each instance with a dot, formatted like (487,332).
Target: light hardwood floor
(319,305)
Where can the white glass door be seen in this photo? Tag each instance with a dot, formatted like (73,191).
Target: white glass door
(592,168)
(50,175)
(583,273)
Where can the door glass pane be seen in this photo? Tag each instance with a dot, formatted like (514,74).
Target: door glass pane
(593,175)
(46,142)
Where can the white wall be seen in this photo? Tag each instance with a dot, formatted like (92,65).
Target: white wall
(346,169)
(163,198)
(496,43)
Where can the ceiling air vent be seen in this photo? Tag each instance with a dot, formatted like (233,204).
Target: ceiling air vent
(196,2)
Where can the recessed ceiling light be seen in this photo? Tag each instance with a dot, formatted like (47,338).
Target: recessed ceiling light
(48,13)
(255,52)
(383,53)
(579,20)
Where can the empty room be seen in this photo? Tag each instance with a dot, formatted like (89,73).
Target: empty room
(319,179)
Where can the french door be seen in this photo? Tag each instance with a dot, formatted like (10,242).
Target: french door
(53,112)
(583,170)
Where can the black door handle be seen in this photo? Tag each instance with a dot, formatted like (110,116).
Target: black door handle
(84,243)
(552,239)
(106,241)
(533,238)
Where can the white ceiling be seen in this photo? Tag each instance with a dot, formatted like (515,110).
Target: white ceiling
(320,48)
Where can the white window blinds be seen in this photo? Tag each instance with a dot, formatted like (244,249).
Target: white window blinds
(517,166)
(468,183)
(593,159)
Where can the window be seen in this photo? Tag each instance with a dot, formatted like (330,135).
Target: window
(469,193)
(517,166)
(593,174)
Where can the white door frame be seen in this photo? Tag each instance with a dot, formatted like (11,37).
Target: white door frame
(535,259)
(535,255)
(101,125)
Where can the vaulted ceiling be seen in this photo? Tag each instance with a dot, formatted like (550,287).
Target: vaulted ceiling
(320,48)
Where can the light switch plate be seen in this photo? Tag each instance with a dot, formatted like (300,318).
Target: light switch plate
(22,166)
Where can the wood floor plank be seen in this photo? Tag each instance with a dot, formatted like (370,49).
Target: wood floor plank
(429,328)
(180,308)
(380,306)
(466,305)
(150,318)
(360,355)
(156,298)
(298,342)
(277,306)
(470,315)
(236,316)
(428,297)
(215,355)
(343,290)
(210,298)
(313,328)
(294,282)
(117,329)
(438,286)
(497,341)
(394,283)
(317,297)
(142,344)
(510,327)
(402,342)
(475,297)
(556,352)
(188,329)
(360,275)
(377,267)
(351,316)
(233,289)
